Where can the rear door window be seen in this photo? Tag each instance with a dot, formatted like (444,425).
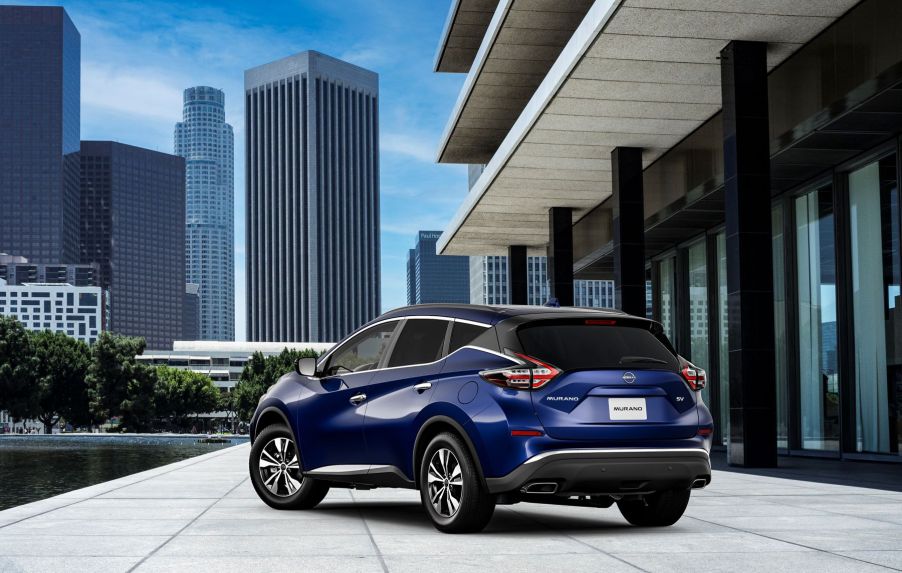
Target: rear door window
(421,341)
(463,334)
(584,346)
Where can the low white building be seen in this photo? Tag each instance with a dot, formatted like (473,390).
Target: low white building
(221,361)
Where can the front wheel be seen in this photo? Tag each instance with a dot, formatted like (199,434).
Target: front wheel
(276,472)
(452,492)
(656,510)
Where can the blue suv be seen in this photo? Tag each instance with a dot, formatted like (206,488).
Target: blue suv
(481,405)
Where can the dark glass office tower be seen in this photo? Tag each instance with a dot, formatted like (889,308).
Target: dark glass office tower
(40,59)
(133,226)
(436,278)
(312,189)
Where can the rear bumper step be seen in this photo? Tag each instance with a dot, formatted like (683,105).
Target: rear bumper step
(607,471)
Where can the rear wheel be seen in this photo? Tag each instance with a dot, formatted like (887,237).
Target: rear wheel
(656,510)
(276,472)
(452,492)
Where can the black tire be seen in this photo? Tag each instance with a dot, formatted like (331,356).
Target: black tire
(475,504)
(659,509)
(292,489)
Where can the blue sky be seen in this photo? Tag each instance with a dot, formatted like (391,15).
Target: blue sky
(137,57)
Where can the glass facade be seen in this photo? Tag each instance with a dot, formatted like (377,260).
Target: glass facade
(781,343)
(40,61)
(875,292)
(207,143)
(698,309)
(723,346)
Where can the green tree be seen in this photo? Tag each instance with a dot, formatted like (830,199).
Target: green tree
(183,393)
(61,367)
(117,384)
(258,375)
(18,391)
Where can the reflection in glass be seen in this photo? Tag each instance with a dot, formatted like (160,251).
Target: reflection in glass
(698,309)
(818,377)
(723,346)
(666,296)
(780,341)
(875,281)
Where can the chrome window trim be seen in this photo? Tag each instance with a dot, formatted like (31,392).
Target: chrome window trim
(326,356)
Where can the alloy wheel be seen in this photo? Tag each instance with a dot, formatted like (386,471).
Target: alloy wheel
(279,467)
(445,482)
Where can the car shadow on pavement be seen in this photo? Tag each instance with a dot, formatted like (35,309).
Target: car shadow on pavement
(517,519)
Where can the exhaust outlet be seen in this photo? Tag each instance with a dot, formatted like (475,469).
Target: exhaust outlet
(540,487)
(699,483)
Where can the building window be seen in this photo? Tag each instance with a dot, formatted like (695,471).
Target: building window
(698,307)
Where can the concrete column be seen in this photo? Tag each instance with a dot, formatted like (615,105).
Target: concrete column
(752,382)
(629,230)
(517,280)
(560,254)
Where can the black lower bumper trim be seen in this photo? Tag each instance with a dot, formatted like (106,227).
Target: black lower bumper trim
(608,471)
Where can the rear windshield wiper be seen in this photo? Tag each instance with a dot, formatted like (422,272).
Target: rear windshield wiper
(642,359)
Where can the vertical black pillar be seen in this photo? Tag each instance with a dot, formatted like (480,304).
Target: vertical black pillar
(560,254)
(629,230)
(516,275)
(753,393)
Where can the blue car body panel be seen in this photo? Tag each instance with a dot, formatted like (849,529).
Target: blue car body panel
(570,413)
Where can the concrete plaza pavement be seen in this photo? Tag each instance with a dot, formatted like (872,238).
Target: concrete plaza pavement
(202,514)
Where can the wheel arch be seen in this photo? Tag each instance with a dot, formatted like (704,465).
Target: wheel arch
(268,417)
(433,427)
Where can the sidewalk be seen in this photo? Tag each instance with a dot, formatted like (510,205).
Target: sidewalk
(202,514)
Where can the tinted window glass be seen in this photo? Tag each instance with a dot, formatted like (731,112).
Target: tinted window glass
(420,342)
(583,346)
(362,352)
(463,334)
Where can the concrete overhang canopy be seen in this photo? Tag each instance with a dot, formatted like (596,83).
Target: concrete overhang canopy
(521,43)
(464,29)
(635,73)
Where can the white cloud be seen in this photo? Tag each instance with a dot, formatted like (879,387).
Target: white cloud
(421,148)
(137,92)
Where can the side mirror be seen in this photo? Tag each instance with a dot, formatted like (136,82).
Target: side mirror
(306,366)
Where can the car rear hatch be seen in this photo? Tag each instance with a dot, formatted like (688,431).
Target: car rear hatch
(617,380)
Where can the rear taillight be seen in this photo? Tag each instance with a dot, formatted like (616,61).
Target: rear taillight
(694,376)
(530,375)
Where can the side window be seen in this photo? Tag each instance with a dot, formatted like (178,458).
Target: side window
(363,352)
(420,342)
(463,334)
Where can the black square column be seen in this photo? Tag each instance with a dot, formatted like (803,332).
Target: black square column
(560,254)
(746,146)
(517,283)
(629,230)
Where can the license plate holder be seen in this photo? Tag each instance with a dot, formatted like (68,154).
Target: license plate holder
(627,409)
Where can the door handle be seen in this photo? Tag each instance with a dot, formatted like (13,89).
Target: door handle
(357,398)
(422,387)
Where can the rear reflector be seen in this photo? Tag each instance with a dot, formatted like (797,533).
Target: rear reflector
(530,376)
(526,433)
(601,322)
(705,431)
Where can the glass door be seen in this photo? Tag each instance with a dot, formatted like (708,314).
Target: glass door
(698,309)
(875,290)
(667,296)
(723,343)
(816,276)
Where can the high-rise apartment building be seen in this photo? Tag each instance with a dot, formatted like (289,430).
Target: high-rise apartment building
(207,143)
(436,278)
(312,198)
(133,226)
(488,284)
(40,61)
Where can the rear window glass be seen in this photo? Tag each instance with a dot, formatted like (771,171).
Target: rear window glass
(583,346)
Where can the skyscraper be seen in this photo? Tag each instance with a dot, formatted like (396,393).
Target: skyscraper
(312,196)
(206,142)
(436,278)
(40,61)
(133,226)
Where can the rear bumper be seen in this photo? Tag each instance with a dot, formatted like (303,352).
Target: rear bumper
(608,471)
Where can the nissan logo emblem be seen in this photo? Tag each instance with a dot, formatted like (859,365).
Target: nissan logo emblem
(629,377)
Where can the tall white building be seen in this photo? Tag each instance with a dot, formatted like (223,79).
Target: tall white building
(81,312)
(206,142)
(488,284)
